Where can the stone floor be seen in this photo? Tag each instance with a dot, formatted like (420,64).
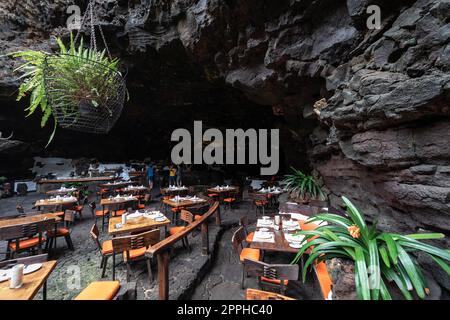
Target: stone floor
(192,276)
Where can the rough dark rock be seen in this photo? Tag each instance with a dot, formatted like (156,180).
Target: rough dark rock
(382,139)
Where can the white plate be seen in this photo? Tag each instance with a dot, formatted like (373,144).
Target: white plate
(160,219)
(297,239)
(264,229)
(4,275)
(295,245)
(32,268)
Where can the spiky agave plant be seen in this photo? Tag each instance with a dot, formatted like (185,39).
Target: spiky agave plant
(71,63)
(303,185)
(379,257)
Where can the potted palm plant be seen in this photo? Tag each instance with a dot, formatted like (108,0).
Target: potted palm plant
(382,260)
(303,187)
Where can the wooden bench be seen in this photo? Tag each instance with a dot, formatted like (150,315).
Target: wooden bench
(161,249)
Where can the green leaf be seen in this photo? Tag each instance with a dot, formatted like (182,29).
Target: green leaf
(410,269)
(361,266)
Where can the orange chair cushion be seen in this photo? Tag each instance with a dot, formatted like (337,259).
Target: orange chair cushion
(107,247)
(229,200)
(120,212)
(211,195)
(324,279)
(307,226)
(60,232)
(59,213)
(135,253)
(175,230)
(77,208)
(274,281)
(197,217)
(249,237)
(25,244)
(99,290)
(261,202)
(100,213)
(250,253)
(141,206)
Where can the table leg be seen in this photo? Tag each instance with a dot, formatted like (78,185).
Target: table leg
(44,291)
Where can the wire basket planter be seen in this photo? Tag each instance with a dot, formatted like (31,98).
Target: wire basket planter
(87,99)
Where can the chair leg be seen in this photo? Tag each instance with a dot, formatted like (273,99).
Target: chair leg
(128,271)
(187,244)
(243,278)
(105,263)
(102,261)
(69,242)
(114,267)
(149,267)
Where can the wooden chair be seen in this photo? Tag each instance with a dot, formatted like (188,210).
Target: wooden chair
(274,276)
(199,210)
(243,252)
(260,202)
(253,294)
(99,213)
(64,231)
(99,290)
(243,221)
(105,248)
(187,217)
(146,200)
(133,248)
(230,199)
(324,279)
(26,237)
(80,206)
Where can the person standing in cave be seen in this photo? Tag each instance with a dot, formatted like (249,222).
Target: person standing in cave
(172,175)
(150,175)
(179,175)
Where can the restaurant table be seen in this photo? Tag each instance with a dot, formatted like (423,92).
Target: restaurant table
(136,189)
(53,202)
(74,180)
(136,225)
(222,190)
(118,184)
(280,244)
(59,192)
(28,219)
(32,282)
(183,203)
(113,202)
(174,191)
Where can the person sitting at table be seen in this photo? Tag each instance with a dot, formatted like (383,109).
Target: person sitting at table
(179,175)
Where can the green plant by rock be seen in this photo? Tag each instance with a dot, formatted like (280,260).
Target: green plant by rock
(379,257)
(305,186)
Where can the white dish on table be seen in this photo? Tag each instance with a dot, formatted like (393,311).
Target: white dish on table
(264,235)
(160,219)
(30,268)
(295,245)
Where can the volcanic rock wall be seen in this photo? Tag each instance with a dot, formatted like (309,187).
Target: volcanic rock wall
(380,137)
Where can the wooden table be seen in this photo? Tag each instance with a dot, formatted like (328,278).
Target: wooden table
(29,219)
(74,180)
(119,184)
(59,192)
(114,203)
(280,244)
(184,203)
(137,225)
(31,284)
(174,191)
(49,203)
(221,191)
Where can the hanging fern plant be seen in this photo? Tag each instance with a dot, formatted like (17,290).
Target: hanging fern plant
(78,79)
